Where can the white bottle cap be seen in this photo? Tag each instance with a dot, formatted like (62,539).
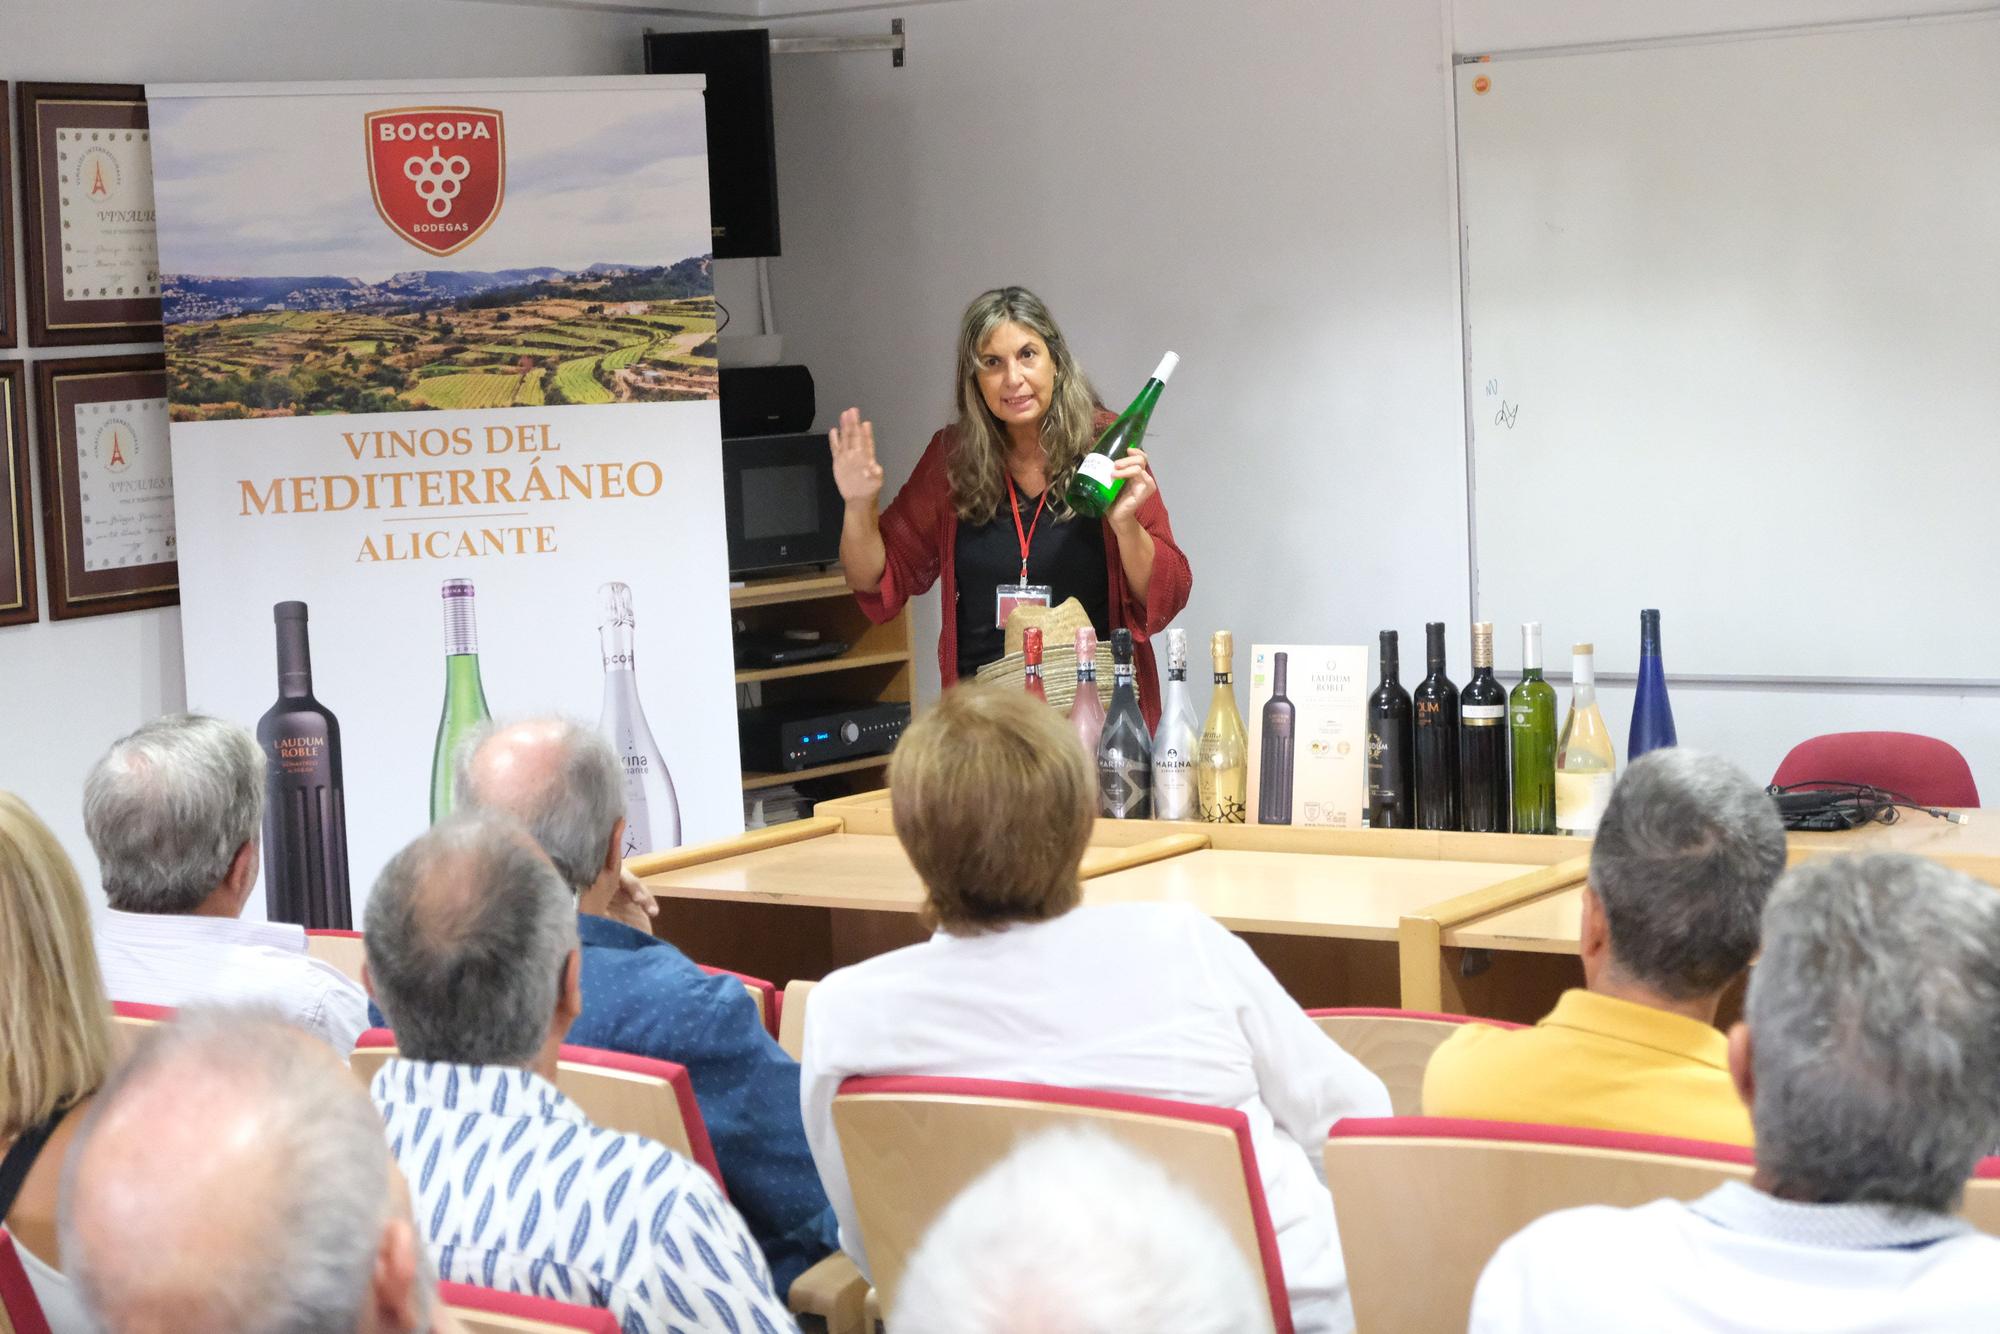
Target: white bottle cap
(1167,364)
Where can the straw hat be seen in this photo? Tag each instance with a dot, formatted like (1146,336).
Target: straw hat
(1058,625)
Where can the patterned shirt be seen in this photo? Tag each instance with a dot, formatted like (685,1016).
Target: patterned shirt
(515,1190)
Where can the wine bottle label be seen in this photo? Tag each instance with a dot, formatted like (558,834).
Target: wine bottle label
(1173,786)
(1482,715)
(1581,799)
(1097,467)
(1123,783)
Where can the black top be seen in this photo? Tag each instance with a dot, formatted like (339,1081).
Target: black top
(1068,556)
(21,1155)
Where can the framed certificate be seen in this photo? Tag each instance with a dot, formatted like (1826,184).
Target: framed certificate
(17,549)
(93,255)
(107,485)
(9,335)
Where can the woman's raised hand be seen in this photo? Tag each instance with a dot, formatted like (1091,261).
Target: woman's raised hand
(855,471)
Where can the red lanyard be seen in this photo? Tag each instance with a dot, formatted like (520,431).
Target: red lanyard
(1028,536)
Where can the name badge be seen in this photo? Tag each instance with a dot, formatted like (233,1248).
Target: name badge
(1009,596)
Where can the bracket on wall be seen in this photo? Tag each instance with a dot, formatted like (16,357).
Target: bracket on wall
(894,44)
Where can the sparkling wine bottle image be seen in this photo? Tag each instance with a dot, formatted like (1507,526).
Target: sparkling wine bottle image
(305,811)
(1436,700)
(464,696)
(1175,739)
(1482,742)
(1124,747)
(1274,769)
(652,809)
(1093,490)
(1392,762)
(1222,755)
(1086,711)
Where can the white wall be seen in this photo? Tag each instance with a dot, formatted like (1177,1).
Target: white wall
(68,689)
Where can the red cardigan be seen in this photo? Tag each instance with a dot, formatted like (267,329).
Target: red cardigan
(920,537)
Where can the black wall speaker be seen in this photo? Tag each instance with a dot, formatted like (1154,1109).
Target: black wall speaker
(742,149)
(766,400)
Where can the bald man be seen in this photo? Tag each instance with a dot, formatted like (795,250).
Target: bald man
(233,1177)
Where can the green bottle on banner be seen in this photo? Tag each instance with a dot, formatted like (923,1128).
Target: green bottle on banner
(1093,490)
(464,696)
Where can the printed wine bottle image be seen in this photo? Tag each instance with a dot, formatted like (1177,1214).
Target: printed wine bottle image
(1436,700)
(1585,762)
(1174,740)
(1125,747)
(1392,761)
(1531,725)
(652,808)
(464,696)
(1031,663)
(1093,489)
(1274,768)
(1086,711)
(1652,715)
(1482,742)
(305,808)
(1222,754)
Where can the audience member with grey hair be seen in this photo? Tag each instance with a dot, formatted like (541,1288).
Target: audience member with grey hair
(472,954)
(563,783)
(232,1178)
(1870,1056)
(1073,1233)
(1684,857)
(173,812)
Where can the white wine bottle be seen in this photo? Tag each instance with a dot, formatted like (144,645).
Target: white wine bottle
(1093,490)
(1174,740)
(1222,756)
(464,694)
(652,809)
(1585,763)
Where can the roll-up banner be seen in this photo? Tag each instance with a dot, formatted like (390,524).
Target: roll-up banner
(442,385)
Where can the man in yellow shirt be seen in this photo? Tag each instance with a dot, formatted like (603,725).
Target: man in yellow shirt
(1685,855)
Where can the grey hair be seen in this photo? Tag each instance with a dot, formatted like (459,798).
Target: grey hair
(571,810)
(311,1263)
(468,929)
(167,808)
(1684,858)
(1073,1233)
(1874,1019)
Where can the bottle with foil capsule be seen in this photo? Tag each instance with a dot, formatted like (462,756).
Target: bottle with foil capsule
(1174,740)
(1482,742)
(464,695)
(652,808)
(1093,490)
(1391,755)
(1531,729)
(1585,763)
(305,810)
(1125,747)
(1031,663)
(1222,755)
(1274,748)
(1086,711)
(1436,700)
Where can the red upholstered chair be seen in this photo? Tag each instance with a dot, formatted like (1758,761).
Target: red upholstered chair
(911,1144)
(1924,769)
(20,1310)
(484,1311)
(1423,1202)
(1395,1044)
(764,993)
(131,1021)
(1982,1197)
(342,949)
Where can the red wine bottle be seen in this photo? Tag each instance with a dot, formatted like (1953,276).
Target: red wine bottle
(1482,742)
(1436,701)
(1275,769)
(305,812)
(1391,755)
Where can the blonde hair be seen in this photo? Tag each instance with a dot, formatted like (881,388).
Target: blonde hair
(55,1025)
(977,468)
(994,804)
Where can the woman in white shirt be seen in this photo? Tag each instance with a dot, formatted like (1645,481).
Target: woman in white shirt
(994,802)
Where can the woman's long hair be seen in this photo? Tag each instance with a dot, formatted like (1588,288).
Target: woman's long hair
(977,469)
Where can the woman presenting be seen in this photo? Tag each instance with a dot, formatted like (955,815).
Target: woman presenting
(984,509)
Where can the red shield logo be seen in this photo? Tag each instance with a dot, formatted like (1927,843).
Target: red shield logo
(438,173)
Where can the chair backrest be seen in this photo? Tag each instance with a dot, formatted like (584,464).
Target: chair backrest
(792,1017)
(20,1309)
(632,1094)
(762,992)
(1395,1044)
(131,1021)
(1924,769)
(484,1311)
(911,1144)
(1423,1202)
(1982,1197)
(342,949)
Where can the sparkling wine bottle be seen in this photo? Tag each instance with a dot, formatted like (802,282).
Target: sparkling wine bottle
(1482,742)
(1585,762)
(464,696)
(1652,715)
(1274,747)
(1392,762)
(652,809)
(1174,740)
(1222,753)
(1125,747)
(1531,723)
(1436,700)
(1031,663)
(1093,489)
(305,811)
(1086,711)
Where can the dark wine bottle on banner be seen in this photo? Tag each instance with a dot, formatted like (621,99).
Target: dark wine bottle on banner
(305,810)
(1391,753)
(1652,715)
(1436,703)
(1274,769)
(1482,742)
(1124,747)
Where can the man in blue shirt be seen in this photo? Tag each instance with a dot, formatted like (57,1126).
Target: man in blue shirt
(644,997)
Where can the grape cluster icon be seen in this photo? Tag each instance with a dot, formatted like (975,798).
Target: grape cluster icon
(438,179)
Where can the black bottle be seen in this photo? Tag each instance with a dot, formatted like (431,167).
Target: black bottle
(305,814)
(1391,748)
(1436,703)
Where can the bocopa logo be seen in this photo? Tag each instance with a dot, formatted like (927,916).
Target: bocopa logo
(438,174)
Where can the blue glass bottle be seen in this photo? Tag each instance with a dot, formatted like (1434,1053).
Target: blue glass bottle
(1652,715)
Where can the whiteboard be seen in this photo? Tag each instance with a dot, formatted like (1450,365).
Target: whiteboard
(1733,349)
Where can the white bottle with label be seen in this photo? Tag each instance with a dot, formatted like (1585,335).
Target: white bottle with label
(1585,763)
(1174,740)
(652,810)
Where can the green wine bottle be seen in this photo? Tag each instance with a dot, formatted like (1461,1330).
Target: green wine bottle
(464,696)
(1531,716)
(1093,489)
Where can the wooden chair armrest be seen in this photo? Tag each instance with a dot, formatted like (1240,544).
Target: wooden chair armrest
(833,1290)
